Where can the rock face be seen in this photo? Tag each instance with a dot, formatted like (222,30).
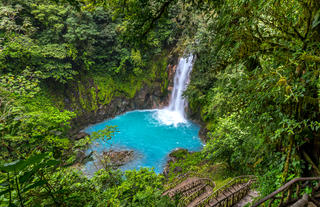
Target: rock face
(149,96)
(145,98)
(203,133)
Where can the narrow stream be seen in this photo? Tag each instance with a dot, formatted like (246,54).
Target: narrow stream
(152,134)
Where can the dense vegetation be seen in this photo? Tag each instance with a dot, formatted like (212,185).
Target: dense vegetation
(255,85)
(45,48)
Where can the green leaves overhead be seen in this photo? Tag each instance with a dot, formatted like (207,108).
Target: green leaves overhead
(23,176)
(255,84)
(105,134)
(19,165)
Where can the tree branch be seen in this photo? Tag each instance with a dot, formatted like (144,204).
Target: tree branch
(160,13)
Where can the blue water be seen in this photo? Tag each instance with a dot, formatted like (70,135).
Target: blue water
(150,138)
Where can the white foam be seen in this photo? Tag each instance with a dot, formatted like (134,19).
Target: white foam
(169,117)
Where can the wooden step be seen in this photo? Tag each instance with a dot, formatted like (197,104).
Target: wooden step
(184,186)
(225,194)
(194,190)
(202,197)
(248,198)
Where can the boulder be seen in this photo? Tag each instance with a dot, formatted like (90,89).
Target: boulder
(80,135)
(119,158)
(82,158)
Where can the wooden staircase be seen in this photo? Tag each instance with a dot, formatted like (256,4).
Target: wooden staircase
(194,192)
(230,193)
(198,192)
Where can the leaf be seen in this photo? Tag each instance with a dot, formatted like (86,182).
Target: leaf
(4,192)
(26,176)
(21,164)
(316,20)
(37,184)
(13,166)
(46,164)
(4,183)
(36,158)
(52,163)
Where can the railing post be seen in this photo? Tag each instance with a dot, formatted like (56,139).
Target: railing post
(298,190)
(271,202)
(287,200)
(232,201)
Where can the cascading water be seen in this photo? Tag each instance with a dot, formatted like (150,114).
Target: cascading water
(175,112)
(151,134)
(181,80)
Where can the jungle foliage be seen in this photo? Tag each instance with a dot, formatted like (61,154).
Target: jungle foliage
(255,84)
(255,81)
(47,46)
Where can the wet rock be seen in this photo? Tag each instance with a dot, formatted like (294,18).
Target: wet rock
(203,134)
(166,171)
(145,98)
(80,135)
(171,72)
(82,158)
(157,90)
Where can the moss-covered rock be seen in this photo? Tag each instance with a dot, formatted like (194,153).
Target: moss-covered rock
(98,96)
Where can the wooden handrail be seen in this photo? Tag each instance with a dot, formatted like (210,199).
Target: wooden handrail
(283,188)
(231,182)
(236,180)
(242,188)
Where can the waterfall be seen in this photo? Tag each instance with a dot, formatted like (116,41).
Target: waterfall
(181,81)
(174,113)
